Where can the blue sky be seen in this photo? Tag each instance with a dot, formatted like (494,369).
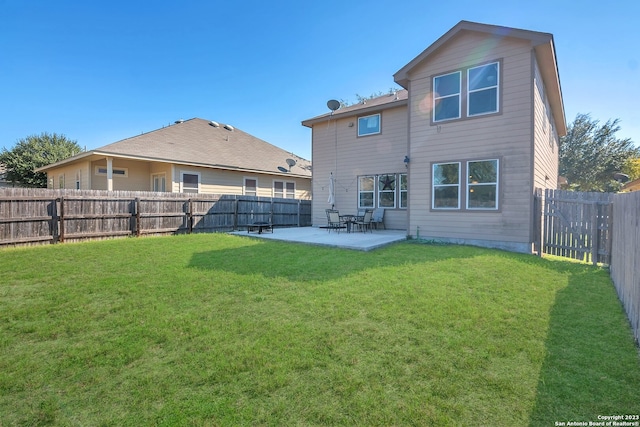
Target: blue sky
(99,72)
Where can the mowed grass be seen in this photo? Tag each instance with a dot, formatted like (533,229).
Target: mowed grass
(208,330)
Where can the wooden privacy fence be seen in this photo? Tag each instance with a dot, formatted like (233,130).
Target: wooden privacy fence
(575,225)
(30,216)
(625,255)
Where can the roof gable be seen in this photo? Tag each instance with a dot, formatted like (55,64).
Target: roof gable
(541,43)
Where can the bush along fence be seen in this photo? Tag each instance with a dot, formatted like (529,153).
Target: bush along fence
(36,216)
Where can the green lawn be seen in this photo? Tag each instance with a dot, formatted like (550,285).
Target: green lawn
(212,329)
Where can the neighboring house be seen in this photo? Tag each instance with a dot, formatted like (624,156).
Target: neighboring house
(631,186)
(191,156)
(457,154)
(3,177)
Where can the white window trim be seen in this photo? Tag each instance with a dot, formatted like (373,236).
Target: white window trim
(437,98)
(160,175)
(183,173)
(400,190)
(497,86)
(99,171)
(285,190)
(372,191)
(370,133)
(433,186)
(244,185)
(496,183)
(394,191)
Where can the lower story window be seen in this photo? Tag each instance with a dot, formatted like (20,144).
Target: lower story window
(190,182)
(284,189)
(446,186)
(159,183)
(366,186)
(387,191)
(481,186)
(404,191)
(250,187)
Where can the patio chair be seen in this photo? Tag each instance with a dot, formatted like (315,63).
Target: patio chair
(365,223)
(333,221)
(378,218)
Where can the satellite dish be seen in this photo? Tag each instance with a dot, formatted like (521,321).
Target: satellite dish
(333,105)
(621,177)
(291,162)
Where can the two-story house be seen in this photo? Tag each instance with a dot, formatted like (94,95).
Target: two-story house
(457,154)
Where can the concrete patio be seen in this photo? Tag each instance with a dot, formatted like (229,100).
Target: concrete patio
(320,236)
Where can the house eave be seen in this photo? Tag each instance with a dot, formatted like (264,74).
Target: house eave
(362,109)
(102,154)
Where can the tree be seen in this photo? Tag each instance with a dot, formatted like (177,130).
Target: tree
(33,152)
(361,99)
(632,168)
(590,154)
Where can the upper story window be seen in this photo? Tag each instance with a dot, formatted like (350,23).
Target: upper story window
(480,96)
(446,97)
(482,84)
(369,125)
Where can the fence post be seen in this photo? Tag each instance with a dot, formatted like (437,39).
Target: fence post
(235,213)
(138,217)
(54,221)
(61,219)
(189,216)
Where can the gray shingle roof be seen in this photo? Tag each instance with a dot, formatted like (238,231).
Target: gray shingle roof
(199,142)
(361,108)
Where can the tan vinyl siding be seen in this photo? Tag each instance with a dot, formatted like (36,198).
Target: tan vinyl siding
(137,178)
(506,136)
(546,138)
(70,172)
(337,149)
(215,181)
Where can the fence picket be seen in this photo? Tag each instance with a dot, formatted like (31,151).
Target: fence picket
(72,215)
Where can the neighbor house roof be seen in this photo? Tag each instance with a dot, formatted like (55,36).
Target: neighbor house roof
(631,186)
(204,143)
(542,43)
(372,105)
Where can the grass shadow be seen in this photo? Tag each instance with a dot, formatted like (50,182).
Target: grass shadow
(273,259)
(591,366)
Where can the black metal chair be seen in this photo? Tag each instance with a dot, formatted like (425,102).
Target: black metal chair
(333,221)
(365,223)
